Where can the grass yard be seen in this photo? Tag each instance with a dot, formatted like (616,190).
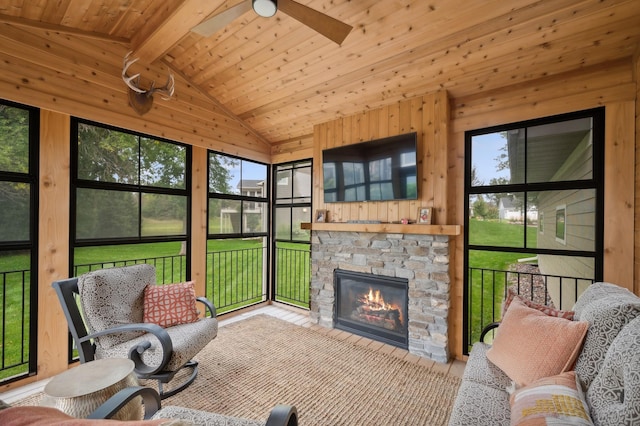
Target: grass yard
(486,289)
(235,272)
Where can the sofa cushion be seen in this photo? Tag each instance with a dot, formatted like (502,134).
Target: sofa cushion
(608,310)
(170,304)
(530,345)
(551,400)
(113,297)
(187,339)
(614,394)
(480,405)
(480,370)
(198,417)
(595,292)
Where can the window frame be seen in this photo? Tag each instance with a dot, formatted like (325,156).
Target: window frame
(77,183)
(242,199)
(31,244)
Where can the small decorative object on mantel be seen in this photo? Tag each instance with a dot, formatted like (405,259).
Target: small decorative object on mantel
(424,215)
(321,216)
(141,100)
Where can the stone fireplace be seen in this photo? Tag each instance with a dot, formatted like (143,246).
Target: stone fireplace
(423,260)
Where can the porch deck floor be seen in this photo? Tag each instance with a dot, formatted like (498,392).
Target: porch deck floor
(293,315)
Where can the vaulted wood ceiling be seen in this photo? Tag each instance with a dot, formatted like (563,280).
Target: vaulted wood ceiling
(280,77)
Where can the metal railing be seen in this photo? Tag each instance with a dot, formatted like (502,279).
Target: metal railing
(293,275)
(16,325)
(236,278)
(169,269)
(486,290)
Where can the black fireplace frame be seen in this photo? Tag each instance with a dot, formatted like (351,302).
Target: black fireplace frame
(400,340)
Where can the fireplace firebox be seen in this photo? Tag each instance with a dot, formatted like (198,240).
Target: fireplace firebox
(373,306)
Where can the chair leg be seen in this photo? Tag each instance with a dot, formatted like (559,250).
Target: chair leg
(194,372)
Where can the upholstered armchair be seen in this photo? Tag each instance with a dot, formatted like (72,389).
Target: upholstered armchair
(110,322)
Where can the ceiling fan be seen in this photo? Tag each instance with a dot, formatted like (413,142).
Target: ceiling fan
(329,27)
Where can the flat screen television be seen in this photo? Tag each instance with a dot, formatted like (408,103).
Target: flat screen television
(377,170)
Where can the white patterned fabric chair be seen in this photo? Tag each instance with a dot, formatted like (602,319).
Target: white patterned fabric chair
(608,366)
(111,325)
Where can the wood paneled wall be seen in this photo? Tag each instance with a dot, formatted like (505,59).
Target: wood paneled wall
(441,135)
(82,78)
(612,86)
(428,116)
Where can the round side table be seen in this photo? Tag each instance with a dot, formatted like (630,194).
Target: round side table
(82,389)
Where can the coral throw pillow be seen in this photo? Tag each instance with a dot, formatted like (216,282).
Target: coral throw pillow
(170,304)
(542,308)
(530,345)
(556,400)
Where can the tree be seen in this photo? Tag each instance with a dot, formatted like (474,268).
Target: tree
(14,157)
(220,173)
(475,180)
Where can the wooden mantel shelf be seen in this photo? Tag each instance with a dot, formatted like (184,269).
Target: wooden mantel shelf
(392,228)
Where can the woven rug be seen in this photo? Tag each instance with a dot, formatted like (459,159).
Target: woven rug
(262,361)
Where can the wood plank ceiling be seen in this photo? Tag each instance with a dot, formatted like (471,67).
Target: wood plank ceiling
(280,77)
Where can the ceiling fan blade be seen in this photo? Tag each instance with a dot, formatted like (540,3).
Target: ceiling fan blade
(329,27)
(221,20)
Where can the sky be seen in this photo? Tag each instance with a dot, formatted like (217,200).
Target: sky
(484,150)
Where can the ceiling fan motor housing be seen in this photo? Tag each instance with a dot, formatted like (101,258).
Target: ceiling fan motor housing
(265,8)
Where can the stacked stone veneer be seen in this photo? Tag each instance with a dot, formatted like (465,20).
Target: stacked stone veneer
(422,259)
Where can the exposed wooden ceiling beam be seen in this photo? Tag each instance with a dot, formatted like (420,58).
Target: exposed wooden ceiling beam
(60,29)
(167,27)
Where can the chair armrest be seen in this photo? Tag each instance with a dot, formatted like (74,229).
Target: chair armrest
(487,329)
(209,305)
(283,415)
(108,409)
(136,351)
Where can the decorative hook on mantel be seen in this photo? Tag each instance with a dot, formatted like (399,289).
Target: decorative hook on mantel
(141,100)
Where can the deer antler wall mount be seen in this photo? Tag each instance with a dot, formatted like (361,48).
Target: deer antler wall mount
(141,100)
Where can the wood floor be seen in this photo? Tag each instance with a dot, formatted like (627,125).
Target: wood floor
(296,316)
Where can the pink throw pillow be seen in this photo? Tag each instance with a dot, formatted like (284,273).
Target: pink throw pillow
(530,345)
(170,304)
(542,308)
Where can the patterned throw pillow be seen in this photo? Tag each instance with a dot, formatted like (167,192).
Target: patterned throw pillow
(547,310)
(556,400)
(170,304)
(530,345)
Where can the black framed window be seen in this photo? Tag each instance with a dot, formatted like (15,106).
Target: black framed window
(292,200)
(19,134)
(534,198)
(238,197)
(128,187)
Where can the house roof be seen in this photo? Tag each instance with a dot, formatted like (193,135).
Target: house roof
(278,77)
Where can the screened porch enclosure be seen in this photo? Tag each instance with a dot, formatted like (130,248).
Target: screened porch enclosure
(132,202)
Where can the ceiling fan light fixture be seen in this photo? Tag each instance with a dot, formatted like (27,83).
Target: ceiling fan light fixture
(265,8)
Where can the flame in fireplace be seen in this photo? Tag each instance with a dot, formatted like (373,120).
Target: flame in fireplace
(375,300)
(372,304)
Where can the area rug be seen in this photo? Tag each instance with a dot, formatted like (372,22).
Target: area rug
(257,363)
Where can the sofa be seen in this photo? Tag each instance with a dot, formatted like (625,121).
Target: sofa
(522,378)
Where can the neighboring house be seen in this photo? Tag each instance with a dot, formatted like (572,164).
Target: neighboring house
(509,209)
(230,217)
(566,217)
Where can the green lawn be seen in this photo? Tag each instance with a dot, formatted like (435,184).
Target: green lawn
(235,271)
(486,288)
